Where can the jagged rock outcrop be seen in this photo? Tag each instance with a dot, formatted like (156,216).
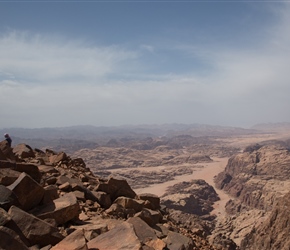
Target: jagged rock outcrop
(274,232)
(193,197)
(51,201)
(257,179)
(255,176)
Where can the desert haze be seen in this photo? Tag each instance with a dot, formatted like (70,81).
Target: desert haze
(214,187)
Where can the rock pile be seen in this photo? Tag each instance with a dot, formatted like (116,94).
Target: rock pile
(50,201)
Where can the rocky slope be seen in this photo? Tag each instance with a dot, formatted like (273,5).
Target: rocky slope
(259,181)
(49,200)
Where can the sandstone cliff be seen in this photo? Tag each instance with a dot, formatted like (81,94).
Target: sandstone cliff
(258,179)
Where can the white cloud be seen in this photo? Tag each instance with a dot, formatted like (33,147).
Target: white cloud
(54,82)
(41,58)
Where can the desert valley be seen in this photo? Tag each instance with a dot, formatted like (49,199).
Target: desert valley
(194,187)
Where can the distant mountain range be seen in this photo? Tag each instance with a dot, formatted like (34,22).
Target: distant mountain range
(91,133)
(272,127)
(86,136)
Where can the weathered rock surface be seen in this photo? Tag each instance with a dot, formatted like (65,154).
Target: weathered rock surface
(274,232)
(55,202)
(10,240)
(194,197)
(256,179)
(36,231)
(120,237)
(61,210)
(28,192)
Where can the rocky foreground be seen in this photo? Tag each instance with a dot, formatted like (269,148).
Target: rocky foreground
(50,201)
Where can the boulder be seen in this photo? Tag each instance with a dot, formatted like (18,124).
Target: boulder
(35,230)
(23,151)
(63,179)
(61,210)
(152,198)
(7,198)
(30,169)
(2,156)
(129,203)
(4,217)
(45,169)
(54,159)
(75,241)
(117,210)
(142,230)
(103,199)
(6,151)
(121,237)
(80,195)
(7,164)
(176,241)
(156,244)
(50,194)
(116,188)
(28,191)
(10,240)
(8,176)
(151,217)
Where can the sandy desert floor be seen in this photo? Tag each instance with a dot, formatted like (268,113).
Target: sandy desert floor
(206,173)
(210,170)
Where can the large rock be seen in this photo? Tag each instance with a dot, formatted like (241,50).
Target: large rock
(8,176)
(151,217)
(54,159)
(4,217)
(7,198)
(152,198)
(50,194)
(142,230)
(35,230)
(28,191)
(6,151)
(10,240)
(23,151)
(177,241)
(75,241)
(102,198)
(30,169)
(129,203)
(116,188)
(61,210)
(121,237)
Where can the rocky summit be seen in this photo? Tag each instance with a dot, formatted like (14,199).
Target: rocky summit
(49,200)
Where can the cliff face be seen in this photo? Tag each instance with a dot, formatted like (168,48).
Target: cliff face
(258,179)
(274,232)
(258,176)
(49,200)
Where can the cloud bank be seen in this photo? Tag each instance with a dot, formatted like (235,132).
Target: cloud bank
(55,81)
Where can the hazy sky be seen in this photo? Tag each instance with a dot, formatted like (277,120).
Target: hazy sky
(108,62)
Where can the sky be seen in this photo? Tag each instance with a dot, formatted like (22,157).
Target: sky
(111,63)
